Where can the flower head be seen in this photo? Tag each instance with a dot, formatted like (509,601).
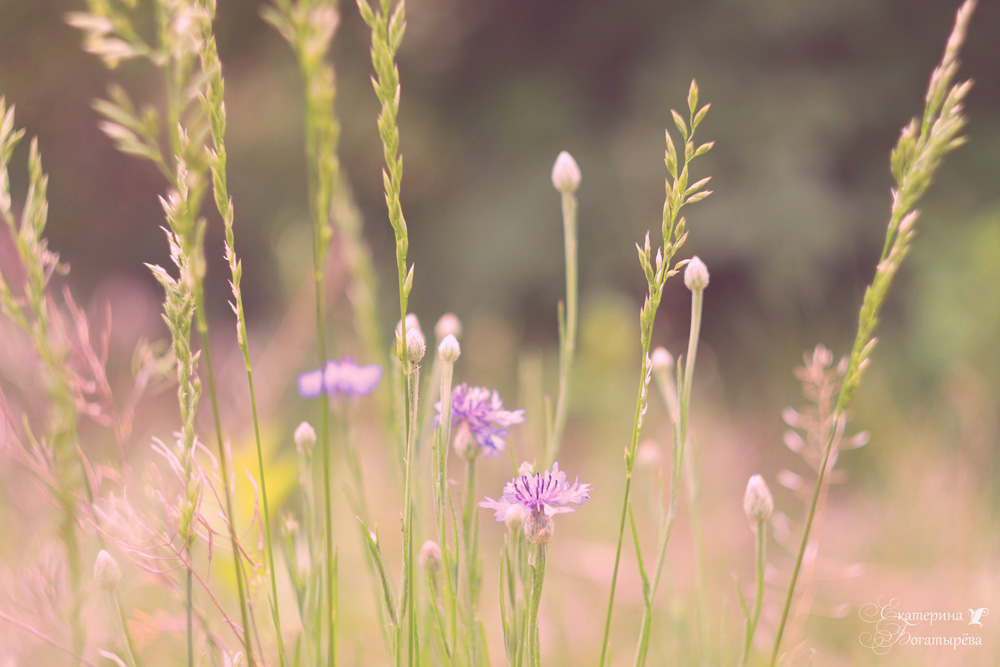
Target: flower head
(757,501)
(696,275)
(566,174)
(340,378)
(106,571)
(545,493)
(479,413)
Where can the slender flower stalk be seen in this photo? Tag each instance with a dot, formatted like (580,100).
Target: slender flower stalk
(481,425)
(657,270)
(565,179)
(448,353)
(758,506)
(108,576)
(696,280)
(914,161)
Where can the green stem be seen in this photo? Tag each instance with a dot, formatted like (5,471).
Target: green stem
(206,352)
(567,329)
(409,594)
(680,445)
(800,556)
(534,645)
(470,532)
(123,626)
(760,531)
(629,459)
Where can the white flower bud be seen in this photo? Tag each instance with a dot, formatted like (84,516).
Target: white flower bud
(448,324)
(465,443)
(566,174)
(757,502)
(516,516)
(430,556)
(449,349)
(662,361)
(649,454)
(415,345)
(526,468)
(696,275)
(412,323)
(305,437)
(106,571)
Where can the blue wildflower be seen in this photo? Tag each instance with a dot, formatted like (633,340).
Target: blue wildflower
(477,413)
(340,378)
(545,493)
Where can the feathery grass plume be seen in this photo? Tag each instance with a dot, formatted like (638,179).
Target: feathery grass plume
(809,427)
(31,313)
(657,269)
(565,179)
(180,50)
(914,161)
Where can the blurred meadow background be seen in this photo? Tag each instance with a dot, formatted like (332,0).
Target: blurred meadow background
(807,100)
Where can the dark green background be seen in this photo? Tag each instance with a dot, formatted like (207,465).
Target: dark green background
(808,98)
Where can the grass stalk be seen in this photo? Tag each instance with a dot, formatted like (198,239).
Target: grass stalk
(914,161)
(214,103)
(657,270)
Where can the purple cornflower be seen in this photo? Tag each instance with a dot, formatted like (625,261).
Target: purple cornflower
(547,493)
(340,378)
(478,412)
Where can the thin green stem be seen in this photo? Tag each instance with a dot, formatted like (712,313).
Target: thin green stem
(567,329)
(409,593)
(629,458)
(470,533)
(123,626)
(760,532)
(206,353)
(534,645)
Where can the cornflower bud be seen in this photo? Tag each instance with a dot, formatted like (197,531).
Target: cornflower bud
(696,275)
(305,437)
(566,174)
(465,443)
(430,556)
(449,349)
(662,360)
(106,571)
(516,516)
(757,502)
(448,324)
(415,345)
